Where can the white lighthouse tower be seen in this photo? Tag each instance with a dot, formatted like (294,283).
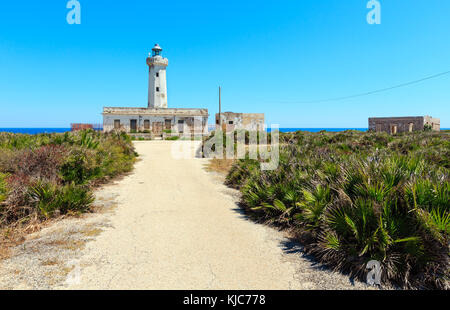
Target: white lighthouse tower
(157,85)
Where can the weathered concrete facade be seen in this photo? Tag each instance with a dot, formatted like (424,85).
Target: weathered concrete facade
(393,125)
(181,121)
(157,117)
(435,123)
(230,121)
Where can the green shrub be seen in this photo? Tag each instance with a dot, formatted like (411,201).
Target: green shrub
(8,160)
(115,158)
(172,138)
(427,127)
(48,198)
(49,172)
(88,139)
(80,167)
(352,197)
(3,187)
(240,172)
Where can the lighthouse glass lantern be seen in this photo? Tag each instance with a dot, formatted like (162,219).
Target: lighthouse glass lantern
(156,51)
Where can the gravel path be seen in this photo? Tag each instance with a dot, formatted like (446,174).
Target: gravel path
(169,225)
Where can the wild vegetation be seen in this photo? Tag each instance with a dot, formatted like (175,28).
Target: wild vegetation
(352,197)
(45,175)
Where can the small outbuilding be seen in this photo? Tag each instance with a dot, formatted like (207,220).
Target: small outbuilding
(394,125)
(230,121)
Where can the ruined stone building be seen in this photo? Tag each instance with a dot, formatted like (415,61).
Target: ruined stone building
(157,116)
(393,125)
(230,121)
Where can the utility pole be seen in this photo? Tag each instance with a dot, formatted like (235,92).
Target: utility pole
(220,107)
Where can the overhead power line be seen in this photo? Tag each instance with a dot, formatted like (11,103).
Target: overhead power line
(374,91)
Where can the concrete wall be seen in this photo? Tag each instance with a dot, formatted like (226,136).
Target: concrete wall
(234,121)
(435,123)
(402,124)
(191,124)
(157,66)
(160,112)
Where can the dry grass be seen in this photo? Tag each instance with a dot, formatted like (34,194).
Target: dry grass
(73,245)
(222,166)
(104,205)
(14,235)
(91,232)
(17,233)
(51,262)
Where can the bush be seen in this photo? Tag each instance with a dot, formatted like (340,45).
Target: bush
(354,197)
(240,172)
(8,160)
(42,163)
(3,187)
(427,127)
(16,204)
(80,167)
(41,174)
(48,198)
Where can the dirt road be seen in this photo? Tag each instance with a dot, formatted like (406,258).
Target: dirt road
(168,225)
(177,227)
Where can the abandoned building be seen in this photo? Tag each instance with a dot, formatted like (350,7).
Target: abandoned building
(157,117)
(394,125)
(230,121)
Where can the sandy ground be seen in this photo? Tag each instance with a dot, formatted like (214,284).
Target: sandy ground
(173,225)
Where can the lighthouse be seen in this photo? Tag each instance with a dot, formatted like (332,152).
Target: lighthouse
(157,85)
(156,119)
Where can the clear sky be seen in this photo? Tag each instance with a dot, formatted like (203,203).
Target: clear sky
(268,56)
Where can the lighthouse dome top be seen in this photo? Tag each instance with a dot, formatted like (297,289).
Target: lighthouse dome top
(157,47)
(156,50)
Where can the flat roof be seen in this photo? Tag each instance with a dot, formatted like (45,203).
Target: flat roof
(156,112)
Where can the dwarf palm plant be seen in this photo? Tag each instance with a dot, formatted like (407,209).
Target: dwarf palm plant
(361,196)
(49,197)
(87,140)
(313,205)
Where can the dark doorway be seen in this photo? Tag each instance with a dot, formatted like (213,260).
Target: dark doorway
(146,124)
(167,124)
(157,128)
(133,125)
(180,126)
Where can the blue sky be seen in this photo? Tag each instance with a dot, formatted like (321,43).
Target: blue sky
(267,55)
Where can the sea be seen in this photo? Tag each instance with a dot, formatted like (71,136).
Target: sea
(33,131)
